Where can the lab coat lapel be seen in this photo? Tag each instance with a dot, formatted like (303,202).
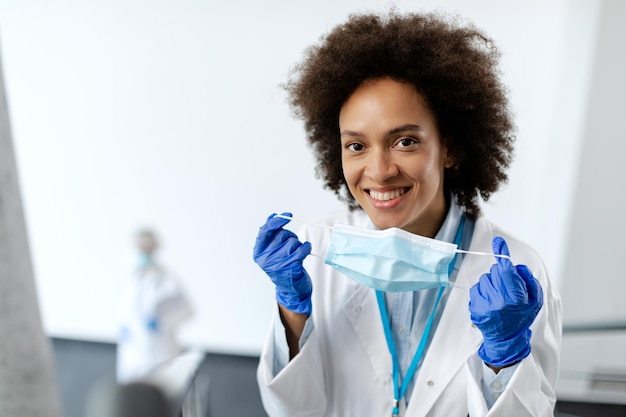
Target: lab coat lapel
(362,311)
(453,341)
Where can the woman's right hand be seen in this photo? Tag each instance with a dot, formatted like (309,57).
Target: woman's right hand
(280,254)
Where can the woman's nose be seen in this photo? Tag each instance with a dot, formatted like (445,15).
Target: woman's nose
(380,166)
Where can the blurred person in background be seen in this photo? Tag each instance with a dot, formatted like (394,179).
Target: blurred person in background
(152,307)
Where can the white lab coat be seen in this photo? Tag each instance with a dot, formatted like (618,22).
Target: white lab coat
(344,368)
(152,296)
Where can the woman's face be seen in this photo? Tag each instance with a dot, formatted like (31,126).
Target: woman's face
(392,156)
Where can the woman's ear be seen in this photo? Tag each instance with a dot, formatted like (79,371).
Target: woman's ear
(448,157)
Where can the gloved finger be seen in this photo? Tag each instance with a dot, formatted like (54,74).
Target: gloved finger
(268,233)
(501,248)
(294,254)
(278,250)
(483,296)
(303,251)
(535,292)
(274,223)
(509,283)
(524,272)
(506,282)
(282,255)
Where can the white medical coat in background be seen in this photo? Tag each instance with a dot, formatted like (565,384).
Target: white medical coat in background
(344,369)
(152,306)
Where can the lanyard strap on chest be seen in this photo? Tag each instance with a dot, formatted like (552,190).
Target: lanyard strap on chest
(400,389)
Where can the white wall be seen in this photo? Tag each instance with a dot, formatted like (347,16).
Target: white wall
(594,281)
(169,113)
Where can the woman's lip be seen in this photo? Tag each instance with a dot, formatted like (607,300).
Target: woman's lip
(387,204)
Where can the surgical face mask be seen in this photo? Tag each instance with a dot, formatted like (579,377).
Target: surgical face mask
(390,260)
(144,260)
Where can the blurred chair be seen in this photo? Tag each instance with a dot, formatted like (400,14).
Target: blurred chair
(173,389)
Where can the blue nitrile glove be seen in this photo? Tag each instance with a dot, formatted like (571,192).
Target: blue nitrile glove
(280,254)
(152,323)
(503,305)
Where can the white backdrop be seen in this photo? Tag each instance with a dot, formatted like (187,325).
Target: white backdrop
(170,114)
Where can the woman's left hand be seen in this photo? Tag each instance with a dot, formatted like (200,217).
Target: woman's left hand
(503,304)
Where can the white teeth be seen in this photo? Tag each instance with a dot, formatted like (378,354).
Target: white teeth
(387,195)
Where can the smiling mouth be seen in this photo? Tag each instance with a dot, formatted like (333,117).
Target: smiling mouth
(387,195)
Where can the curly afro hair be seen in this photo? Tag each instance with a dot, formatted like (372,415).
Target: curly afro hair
(453,66)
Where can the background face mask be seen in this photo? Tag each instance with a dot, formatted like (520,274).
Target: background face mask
(390,260)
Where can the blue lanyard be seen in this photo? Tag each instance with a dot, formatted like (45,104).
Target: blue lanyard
(400,390)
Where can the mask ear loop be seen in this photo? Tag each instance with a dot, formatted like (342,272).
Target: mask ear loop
(455,285)
(282,216)
(483,254)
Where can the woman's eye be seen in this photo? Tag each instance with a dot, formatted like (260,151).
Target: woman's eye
(406,142)
(355,147)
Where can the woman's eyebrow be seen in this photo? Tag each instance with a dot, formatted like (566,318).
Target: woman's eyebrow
(405,128)
(352,133)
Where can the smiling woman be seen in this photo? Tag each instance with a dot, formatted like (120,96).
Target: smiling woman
(410,126)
